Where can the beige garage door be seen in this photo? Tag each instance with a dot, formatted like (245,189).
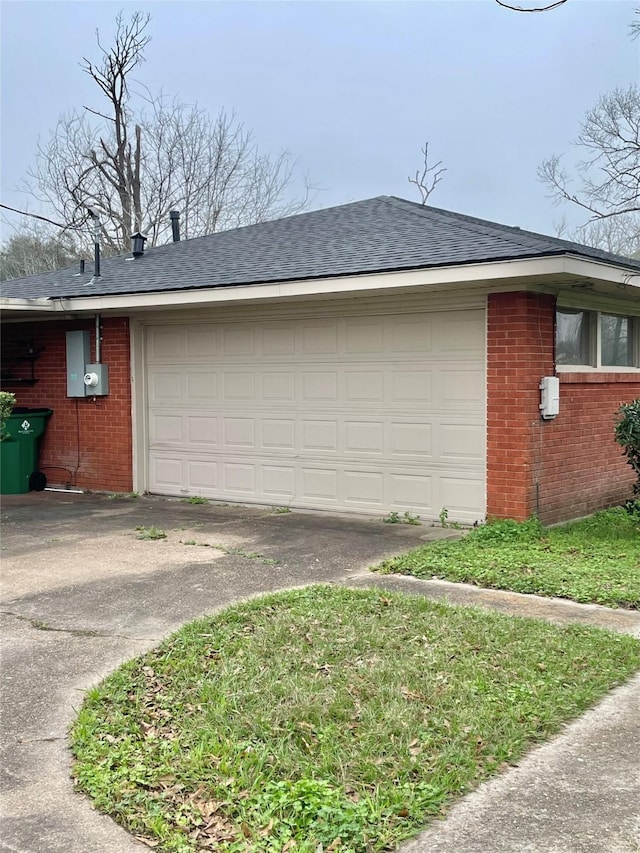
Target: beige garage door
(363,413)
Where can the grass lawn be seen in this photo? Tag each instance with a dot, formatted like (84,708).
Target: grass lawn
(328,716)
(595,560)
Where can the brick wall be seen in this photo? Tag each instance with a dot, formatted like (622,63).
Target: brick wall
(583,469)
(87,442)
(559,469)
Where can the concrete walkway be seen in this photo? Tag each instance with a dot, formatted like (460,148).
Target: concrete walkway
(81,593)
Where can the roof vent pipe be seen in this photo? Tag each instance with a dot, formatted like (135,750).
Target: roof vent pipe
(174,216)
(96,241)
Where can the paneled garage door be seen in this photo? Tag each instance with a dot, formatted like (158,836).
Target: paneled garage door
(363,413)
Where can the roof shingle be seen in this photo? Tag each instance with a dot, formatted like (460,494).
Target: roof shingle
(381,234)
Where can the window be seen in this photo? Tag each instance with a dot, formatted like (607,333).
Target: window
(572,337)
(616,340)
(594,339)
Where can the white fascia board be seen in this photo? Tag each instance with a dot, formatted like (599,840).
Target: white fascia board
(533,271)
(601,271)
(16,303)
(343,286)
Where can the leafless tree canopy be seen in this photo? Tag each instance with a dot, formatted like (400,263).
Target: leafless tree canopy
(135,156)
(427,178)
(35,248)
(618,235)
(606,182)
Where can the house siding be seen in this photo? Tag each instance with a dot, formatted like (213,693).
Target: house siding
(560,469)
(87,443)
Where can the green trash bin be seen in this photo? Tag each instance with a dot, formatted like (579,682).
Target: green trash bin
(19,452)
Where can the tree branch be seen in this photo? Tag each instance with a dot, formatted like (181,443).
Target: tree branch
(67,227)
(606,184)
(430,177)
(96,113)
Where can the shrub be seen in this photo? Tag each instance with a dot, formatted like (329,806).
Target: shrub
(627,432)
(7,402)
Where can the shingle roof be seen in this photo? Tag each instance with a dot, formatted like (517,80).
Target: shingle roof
(381,234)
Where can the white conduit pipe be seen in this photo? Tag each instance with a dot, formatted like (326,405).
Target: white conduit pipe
(97,339)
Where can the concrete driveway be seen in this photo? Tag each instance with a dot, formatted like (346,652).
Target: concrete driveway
(81,593)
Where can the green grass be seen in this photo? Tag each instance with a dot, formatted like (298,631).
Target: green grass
(150,532)
(328,713)
(406,518)
(595,560)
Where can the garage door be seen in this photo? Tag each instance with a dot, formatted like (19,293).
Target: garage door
(364,413)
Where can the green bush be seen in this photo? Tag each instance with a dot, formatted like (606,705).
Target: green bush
(7,402)
(627,432)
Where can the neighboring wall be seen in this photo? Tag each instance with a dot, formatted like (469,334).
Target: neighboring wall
(560,469)
(87,441)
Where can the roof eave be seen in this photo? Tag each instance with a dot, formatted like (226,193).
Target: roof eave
(15,307)
(516,271)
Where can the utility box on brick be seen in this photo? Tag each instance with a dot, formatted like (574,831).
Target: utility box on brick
(85,378)
(96,379)
(78,355)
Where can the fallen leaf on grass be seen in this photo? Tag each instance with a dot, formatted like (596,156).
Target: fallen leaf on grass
(150,842)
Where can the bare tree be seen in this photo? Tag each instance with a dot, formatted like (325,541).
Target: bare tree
(35,248)
(618,235)
(606,182)
(430,176)
(137,156)
(211,170)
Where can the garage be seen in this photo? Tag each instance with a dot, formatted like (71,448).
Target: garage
(372,412)
(374,357)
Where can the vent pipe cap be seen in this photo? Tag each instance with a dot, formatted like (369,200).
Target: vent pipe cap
(174,216)
(137,244)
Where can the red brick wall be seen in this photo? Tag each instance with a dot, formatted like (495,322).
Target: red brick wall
(87,441)
(520,335)
(583,469)
(559,469)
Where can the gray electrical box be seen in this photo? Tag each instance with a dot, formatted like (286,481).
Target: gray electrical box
(96,380)
(84,377)
(78,355)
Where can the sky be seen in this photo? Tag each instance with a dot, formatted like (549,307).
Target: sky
(351,89)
